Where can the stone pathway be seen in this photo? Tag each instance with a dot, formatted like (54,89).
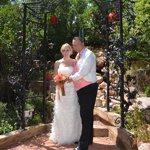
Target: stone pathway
(42,142)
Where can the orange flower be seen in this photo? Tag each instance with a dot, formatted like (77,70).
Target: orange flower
(60,81)
(60,77)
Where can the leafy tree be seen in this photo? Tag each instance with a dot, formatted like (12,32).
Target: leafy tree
(74,18)
(3,2)
(141,31)
(9,25)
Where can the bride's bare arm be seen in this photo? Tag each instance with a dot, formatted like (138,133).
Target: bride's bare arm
(56,65)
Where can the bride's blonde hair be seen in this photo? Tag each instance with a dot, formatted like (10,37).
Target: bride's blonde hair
(66,46)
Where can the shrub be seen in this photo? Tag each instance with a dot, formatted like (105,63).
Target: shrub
(8,118)
(5,127)
(2,110)
(29,107)
(37,118)
(137,124)
(36,103)
(147,90)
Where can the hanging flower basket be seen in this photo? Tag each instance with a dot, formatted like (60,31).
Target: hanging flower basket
(113,16)
(54,20)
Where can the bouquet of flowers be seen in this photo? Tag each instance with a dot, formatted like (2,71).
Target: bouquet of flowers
(60,80)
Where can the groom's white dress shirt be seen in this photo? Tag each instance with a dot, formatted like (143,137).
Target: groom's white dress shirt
(87,67)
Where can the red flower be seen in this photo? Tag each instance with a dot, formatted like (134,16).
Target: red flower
(113,16)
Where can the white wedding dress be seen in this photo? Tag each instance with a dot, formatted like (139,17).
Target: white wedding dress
(66,125)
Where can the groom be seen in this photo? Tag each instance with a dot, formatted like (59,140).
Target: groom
(84,80)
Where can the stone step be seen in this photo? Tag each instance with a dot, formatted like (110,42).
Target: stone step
(100,130)
(119,136)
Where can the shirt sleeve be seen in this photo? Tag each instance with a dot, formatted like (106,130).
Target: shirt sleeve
(85,67)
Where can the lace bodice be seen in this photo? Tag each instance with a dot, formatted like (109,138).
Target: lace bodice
(67,70)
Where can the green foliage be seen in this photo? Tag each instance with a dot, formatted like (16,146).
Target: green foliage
(34,102)
(141,30)
(48,108)
(7,118)
(35,120)
(5,127)
(10,24)
(135,119)
(116,109)
(138,125)
(73,18)
(2,110)
(29,101)
(3,2)
(29,107)
(147,90)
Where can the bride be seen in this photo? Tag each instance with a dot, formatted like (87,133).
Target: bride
(66,125)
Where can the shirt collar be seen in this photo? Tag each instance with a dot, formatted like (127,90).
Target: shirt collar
(82,51)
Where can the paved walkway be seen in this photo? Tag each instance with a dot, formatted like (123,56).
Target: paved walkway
(42,142)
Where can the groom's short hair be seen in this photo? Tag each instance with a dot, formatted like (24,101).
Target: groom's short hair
(79,38)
